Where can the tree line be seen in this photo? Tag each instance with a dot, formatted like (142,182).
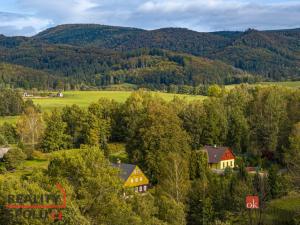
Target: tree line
(12,103)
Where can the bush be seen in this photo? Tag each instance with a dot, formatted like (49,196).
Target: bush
(8,132)
(2,168)
(14,158)
(3,141)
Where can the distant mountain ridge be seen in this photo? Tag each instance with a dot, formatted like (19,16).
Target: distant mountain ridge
(275,54)
(89,52)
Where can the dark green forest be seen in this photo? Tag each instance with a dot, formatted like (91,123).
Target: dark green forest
(71,56)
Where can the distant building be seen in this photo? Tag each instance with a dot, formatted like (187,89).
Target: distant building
(26,95)
(220,157)
(3,151)
(133,177)
(60,94)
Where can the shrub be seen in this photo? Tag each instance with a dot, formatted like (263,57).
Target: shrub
(14,158)
(3,141)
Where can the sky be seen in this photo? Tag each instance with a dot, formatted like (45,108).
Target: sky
(28,17)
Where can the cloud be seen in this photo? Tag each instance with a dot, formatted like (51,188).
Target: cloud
(222,15)
(201,15)
(17,24)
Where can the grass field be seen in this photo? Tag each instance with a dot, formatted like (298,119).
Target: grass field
(8,119)
(291,84)
(84,98)
(283,210)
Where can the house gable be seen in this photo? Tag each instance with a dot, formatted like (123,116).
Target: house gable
(227,155)
(136,178)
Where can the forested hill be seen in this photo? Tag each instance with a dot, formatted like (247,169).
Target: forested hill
(19,76)
(274,54)
(100,55)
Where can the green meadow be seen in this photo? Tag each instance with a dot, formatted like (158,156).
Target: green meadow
(85,98)
(8,119)
(291,84)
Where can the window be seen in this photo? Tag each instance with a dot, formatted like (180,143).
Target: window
(145,188)
(231,163)
(223,165)
(136,189)
(140,188)
(227,164)
(131,180)
(141,179)
(136,179)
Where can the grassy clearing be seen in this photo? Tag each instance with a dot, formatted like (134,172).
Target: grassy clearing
(289,203)
(8,119)
(117,151)
(284,210)
(85,98)
(41,160)
(291,84)
(36,164)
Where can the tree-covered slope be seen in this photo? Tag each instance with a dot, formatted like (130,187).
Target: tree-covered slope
(98,67)
(273,54)
(24,77)
(99,55)
(88,34)
(176,39)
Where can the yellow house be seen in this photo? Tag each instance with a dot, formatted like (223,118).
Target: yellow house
(133,176)
(219,157)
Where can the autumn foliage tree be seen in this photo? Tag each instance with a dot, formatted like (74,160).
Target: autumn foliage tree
(30,127)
